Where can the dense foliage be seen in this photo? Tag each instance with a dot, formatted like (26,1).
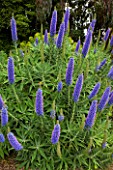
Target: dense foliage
(47,85)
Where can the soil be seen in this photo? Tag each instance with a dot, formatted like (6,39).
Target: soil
(10,164)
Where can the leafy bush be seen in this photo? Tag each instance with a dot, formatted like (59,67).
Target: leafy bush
(43,66)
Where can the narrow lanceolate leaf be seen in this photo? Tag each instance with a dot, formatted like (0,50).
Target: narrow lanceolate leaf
(95,90)
(53,23)
(10,69)
(91,115)
(104,99)
(14,142)
(4,116)
(69,71)
(87,43)
(39,103)
(78,88)
(13,29)
(55,134)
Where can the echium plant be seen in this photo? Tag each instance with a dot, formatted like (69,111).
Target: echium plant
(95,90)
(66,18)
(64,117)
(104,99)
(87,43)
(4,116)
(78,88)
(53,23)
(91,115)
(14,29)
(39,103)
(14,142)
(69,71)
(60,36)
(107,34)
(10,69)
(77,47)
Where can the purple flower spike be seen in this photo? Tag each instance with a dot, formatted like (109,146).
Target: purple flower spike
(60,35)
(52,114)
(111,41)
(10,69)
(59,87)
(111,93)
(110,102)
(77,47)
(13,30)
(94,91)
(104,145)
(91,115)
(92,25)
(66,18)
(36,41)
(53,24)
(78,88)
(95,50)
(1,102)
(55,134)
(69,71)
(21,53)
(39,103)
(60,118)
(46,37)
(2,139)
(104,99)
(107,34)
(110,74)
(87,43)
(13,141)
(101,64)
(4,116)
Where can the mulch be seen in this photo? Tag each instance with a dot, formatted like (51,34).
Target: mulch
(10,164)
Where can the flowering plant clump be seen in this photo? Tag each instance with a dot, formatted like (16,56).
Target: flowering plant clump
(55,107)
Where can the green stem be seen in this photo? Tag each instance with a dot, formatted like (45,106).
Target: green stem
(73,113)
(80,66)
(68,96)
(30,77)
(12,116)
(42,46)
(16,96)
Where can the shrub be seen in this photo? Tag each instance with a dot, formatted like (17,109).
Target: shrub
(83,139)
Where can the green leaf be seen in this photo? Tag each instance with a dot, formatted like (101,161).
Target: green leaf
(34,156)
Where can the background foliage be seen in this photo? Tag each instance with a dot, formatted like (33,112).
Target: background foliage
(28,23)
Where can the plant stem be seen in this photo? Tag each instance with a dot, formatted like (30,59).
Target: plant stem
(68,96)
(73,113)
(16,96)
(42,46)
